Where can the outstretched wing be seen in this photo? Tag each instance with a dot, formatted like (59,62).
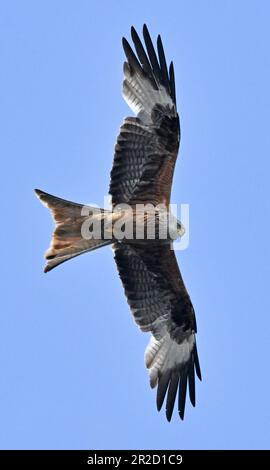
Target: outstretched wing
(160,304)
(147,146)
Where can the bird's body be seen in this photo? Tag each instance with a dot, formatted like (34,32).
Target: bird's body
(140,227)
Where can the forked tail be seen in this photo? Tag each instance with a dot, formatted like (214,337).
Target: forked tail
(71,221)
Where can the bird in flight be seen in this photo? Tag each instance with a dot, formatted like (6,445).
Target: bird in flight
(143,166)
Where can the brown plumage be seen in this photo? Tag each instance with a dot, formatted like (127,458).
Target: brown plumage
(142,173)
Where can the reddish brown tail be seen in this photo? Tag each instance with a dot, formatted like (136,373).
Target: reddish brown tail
(67,240)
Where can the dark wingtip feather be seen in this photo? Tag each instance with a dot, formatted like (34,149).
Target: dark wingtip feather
(172,82)
(182,394)
(136,39)
(191,384)
(134,34)
(197,363)
(151,53)
(162,389)
(148,62)
(172,395)
(131,57)
(126,46)
(145,28)
(163,64)
(143,57)
(133,30)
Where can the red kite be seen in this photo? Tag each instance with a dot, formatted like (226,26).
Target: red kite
(143,167)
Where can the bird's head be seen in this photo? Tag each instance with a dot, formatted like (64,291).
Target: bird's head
(180,229)
(176,228)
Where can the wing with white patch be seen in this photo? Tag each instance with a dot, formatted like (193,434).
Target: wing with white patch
(147,145)
(160,304)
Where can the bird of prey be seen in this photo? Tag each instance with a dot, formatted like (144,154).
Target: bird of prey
(143,166)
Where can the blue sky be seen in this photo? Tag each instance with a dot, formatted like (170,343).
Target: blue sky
(71,361)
